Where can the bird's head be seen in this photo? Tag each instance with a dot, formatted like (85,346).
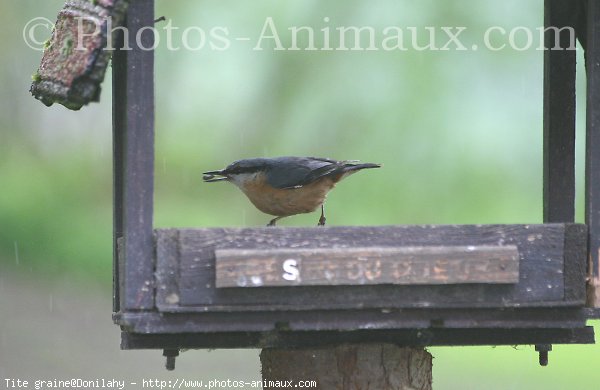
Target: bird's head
(238,172)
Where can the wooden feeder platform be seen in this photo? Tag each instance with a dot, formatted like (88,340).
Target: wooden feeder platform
(408,285)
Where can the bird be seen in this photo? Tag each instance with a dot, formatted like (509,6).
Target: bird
(285,186)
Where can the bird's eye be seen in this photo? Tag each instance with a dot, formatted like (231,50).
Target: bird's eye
(233,168)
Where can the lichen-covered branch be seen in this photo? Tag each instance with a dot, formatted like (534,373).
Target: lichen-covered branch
(76,56)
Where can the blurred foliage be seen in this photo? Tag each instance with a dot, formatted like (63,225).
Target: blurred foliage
(459,132)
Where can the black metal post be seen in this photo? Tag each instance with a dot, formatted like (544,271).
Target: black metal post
(559,112)
(133,144)
(592,158)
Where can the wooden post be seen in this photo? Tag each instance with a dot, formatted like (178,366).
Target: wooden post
(592,145)
(559,112)
(356,366)
(133,164)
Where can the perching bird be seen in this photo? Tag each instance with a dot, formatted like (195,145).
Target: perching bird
(285,186)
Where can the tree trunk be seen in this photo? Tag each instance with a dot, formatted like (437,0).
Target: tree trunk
(350,366)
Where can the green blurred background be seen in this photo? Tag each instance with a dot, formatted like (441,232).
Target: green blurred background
(459,134)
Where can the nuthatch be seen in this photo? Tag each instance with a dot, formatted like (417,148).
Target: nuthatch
(285,186)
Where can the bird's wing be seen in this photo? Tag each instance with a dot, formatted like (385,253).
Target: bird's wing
(295,172)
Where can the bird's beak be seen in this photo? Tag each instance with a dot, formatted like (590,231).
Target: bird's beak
(211,176)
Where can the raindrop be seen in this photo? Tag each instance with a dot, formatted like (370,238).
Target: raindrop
(17,261)
(256,280)
(241,281)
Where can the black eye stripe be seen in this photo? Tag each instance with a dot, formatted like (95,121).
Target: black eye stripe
(239,170)
(236,170)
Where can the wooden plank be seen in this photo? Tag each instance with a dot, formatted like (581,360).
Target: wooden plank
(133,130)
(326,320)
(575,267)
(167,271)
(541,268)
(118,138)
(592,154)
(369,265)
(559,112)
(404,337)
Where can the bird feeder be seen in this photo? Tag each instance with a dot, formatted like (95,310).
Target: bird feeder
(411,285)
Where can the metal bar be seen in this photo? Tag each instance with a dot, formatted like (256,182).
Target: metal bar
(559,112)
(133,83)
(592,158)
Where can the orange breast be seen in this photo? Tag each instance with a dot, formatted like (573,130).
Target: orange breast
(285,202)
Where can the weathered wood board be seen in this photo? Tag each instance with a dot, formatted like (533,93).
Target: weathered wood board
(551,257)
(406,337)
(368,265)
(353,319)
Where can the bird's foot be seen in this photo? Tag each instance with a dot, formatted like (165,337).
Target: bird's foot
(322,221)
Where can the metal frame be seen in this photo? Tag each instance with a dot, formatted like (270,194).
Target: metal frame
(133,132)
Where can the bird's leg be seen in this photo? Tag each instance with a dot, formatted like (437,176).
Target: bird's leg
(273,221)
(322,219)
